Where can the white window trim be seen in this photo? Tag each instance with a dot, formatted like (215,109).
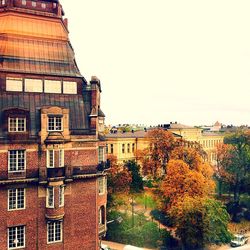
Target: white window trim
(103,184)
(61,232)
(47,197)
(24,237)
(55,130)
(61,193)
(61,158)
(16,131)
(48,158)
(17,171)
(24,202)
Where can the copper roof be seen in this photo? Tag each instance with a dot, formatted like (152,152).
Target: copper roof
(36,45)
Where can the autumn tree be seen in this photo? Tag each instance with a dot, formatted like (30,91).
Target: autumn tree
(182,180)
(224,155)
(239,161)
(186,189)
(154,159)
(200,221)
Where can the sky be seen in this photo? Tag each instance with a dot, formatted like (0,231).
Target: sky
(165,60)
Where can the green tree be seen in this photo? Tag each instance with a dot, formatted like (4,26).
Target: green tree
(136,184)
(200,222)
(240,160)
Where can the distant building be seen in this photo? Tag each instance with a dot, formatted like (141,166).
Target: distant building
(124,144)
(52,180)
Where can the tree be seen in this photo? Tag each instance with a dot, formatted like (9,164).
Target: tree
(181,180)
(154,159)
(240,160)
(224,156)
(119,178)
(200,221)
(136,184)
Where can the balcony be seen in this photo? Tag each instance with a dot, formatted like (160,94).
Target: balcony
(54,213)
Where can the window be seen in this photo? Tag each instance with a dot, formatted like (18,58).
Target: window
(43,5)
(50,197)
(33,85)
(14,84)
(102,185)
(55,158)
(133,147)
(128,148)
(69,87)
(16,237)
(33,4)
(101,215)
(61,196)
(54,231)
(50,158)
(3,2)
(111,148)
(101,154)
(23,2)
(61,158)
(16,198)
(55,123)
(17,124)
(123,148)
(16,160)
(52,86)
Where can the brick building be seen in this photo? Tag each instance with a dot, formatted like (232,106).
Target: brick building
(52,178)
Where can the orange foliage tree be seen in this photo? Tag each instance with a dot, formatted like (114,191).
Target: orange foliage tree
(182,180)
(154,159)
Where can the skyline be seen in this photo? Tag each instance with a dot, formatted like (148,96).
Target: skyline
(167,60)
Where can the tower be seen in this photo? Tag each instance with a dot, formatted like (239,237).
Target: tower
(52,173)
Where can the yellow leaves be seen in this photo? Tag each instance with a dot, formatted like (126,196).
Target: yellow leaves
(183,181)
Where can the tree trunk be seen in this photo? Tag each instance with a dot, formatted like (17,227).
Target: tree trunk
(237,190)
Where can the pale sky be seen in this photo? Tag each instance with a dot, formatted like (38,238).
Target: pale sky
(165,60)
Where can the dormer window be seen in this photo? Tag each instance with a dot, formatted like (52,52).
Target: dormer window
(16,124)
(55,123)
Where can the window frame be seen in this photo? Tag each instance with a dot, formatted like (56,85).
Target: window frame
(18,81)
(48,158)
(17,158)
(54,117)
(101,154)
(61,195)
(102,185)
(54,231)
(16,124)
(16,199)
(48,197)
(24,237)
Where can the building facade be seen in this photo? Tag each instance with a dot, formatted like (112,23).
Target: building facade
(52,174)
(124,144)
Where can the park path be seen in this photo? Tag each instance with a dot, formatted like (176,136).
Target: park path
(118,246)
